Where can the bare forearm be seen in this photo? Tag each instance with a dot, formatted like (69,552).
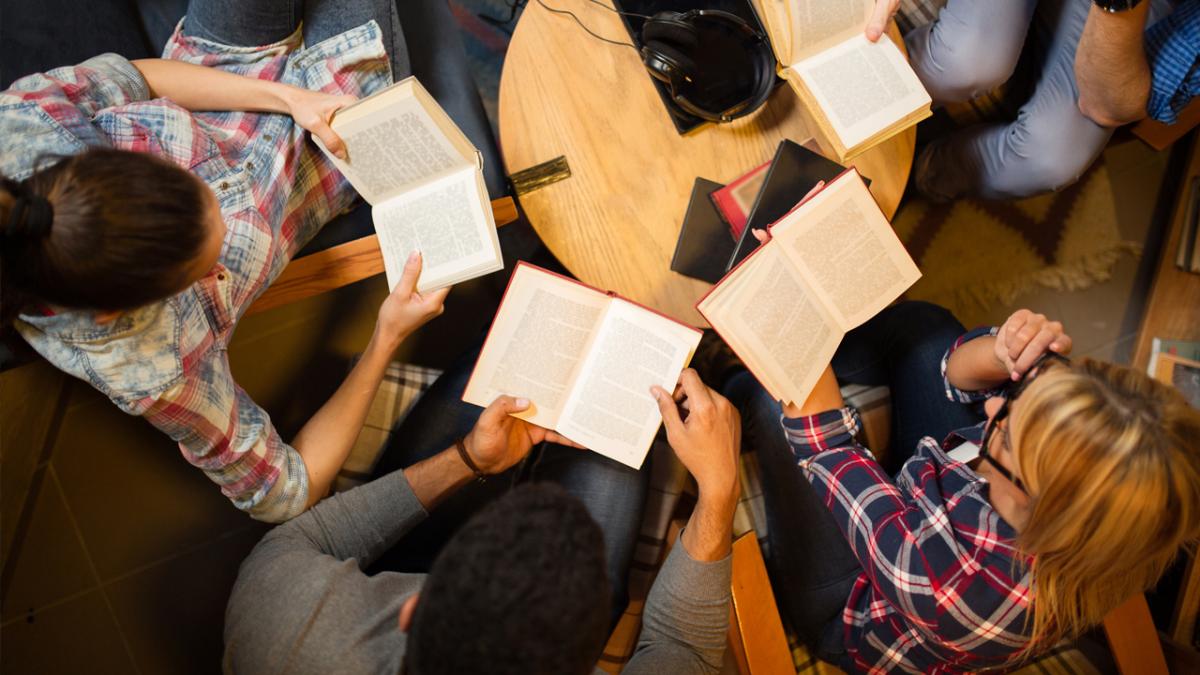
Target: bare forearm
(326,439)
(198,87)
(437,477)
(826,395)
(1110,66)
(974,366)
(709,532)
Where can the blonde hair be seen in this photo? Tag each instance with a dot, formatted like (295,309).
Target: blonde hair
(1111,459)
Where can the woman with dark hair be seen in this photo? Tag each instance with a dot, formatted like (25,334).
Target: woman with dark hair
(146,204)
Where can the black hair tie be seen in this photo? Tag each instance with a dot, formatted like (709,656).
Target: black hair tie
(32,215)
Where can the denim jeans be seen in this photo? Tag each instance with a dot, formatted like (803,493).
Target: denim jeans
(420,36)
(974,46)
(810,564)
(612,492)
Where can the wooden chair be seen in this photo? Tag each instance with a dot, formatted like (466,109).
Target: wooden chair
(342,265)
(760,647)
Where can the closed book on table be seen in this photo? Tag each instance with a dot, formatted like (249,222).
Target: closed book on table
(704,243)
(794,171)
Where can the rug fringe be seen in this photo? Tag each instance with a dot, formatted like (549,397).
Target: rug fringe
(1077,274)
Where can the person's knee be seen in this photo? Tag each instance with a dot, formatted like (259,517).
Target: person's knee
(964,64)
(1049,150)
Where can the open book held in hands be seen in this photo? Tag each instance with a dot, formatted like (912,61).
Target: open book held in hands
(857,93)
(584,358)
(424,182)
(831,264)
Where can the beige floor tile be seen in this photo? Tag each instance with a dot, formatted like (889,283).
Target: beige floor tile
(50,563)
(76,637)
(173,613)
(1096,316)
(134,496)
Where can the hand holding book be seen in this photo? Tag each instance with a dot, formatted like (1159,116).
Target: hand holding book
(405,310)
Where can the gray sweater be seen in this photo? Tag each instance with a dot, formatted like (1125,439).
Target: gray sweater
(302,604)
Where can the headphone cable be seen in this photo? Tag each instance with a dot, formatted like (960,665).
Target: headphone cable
(589,30)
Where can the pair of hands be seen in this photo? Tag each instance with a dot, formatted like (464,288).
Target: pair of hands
(1025,336)
(703,428)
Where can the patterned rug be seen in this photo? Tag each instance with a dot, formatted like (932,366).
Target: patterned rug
(1067,240)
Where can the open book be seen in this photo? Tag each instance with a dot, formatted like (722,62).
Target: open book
(831,264)
(424,182)
(584,358)
(857,93)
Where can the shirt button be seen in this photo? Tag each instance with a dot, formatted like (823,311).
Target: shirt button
(250,165)
(221,276)
(267,137)
(224,185)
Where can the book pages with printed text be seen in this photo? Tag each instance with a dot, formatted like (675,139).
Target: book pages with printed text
(863,88)
(585,359)
(831,264)
(537,343)
(425,182)
(611,410)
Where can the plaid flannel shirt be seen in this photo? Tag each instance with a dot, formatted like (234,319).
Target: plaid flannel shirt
(167,361)
(943,587)
(1173,53)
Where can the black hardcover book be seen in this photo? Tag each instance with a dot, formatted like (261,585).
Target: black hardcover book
(704,243)
(794,171)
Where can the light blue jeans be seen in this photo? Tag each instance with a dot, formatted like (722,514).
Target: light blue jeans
(974,46)
(420,36)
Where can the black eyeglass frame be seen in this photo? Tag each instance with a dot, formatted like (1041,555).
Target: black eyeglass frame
(1012,390)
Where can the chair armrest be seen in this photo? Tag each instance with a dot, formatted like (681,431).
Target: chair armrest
(1132,638)
(343,265)
(756,635)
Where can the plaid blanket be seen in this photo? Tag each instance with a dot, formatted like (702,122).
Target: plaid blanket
(670,498)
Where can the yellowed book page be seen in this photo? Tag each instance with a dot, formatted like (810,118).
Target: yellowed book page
(449,222)
(789,334)
(611,410)
(863,87)
(840,242)
(721,302)
(537,343)
(394,143)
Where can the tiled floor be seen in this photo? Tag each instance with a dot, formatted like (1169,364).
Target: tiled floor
(130,553)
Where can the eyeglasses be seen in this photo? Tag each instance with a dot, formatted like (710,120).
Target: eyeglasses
(1011,391)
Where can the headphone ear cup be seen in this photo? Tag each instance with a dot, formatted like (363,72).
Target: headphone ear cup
(670,30)
(667,63)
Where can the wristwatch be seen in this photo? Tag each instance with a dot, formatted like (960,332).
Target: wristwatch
(1114,6)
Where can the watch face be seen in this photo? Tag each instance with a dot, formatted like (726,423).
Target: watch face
(1116,5)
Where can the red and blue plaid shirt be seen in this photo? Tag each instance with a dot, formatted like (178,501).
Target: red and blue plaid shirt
(167,361)
(944,588)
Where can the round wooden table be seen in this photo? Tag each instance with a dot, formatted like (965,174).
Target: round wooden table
(614,222)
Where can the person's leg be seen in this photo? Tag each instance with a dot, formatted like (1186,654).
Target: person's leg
(614,495)
(242,23)
(326,18)
(970,48)
(808,560)
(439,61)
(1047,147)
(902,347)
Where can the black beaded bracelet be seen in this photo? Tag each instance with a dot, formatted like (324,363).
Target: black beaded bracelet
(466,458)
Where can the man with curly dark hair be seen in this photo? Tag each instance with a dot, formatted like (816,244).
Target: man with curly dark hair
(520,589)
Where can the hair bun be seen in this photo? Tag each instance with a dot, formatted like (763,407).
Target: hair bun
(31,216)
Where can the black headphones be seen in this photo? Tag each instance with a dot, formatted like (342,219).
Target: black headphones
(729,86)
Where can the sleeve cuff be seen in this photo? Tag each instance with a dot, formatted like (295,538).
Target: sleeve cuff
(954,393)
(123,73)
(822,432)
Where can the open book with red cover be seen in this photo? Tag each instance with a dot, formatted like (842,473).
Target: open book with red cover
(832,263)
(585,359)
